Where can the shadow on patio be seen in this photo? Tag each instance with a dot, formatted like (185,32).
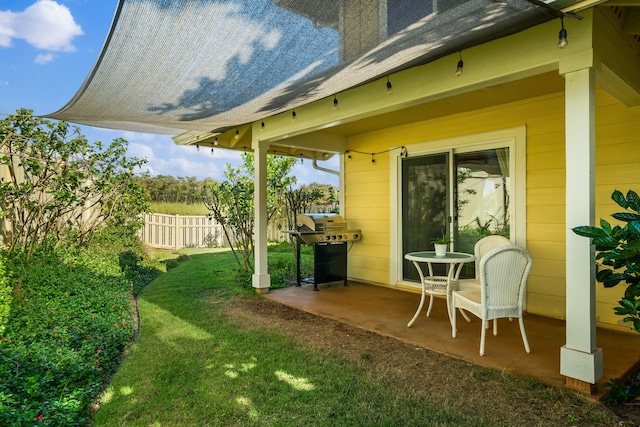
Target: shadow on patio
(387,311)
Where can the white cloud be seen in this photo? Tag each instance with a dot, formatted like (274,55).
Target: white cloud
(6,30)
(138,136)
(45,25)
(43,58)
(141,151)
(305,173)
(164,157)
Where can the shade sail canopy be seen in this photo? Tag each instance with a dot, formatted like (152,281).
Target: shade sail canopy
(169,66)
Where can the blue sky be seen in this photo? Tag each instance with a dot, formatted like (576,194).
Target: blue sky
(47,49)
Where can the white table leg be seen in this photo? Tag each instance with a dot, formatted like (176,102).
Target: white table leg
(415,316)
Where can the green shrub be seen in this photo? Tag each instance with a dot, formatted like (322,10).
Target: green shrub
(5,294)
(71,317)
(174,262)
(623,392)
(618,253)
(282,264)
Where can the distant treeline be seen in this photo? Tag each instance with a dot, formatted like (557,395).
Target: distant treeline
(188,190)
(169,189)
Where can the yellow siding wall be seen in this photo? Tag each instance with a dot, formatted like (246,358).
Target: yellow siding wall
(618,166)
(367,192)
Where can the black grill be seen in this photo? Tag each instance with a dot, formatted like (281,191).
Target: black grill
(329,236)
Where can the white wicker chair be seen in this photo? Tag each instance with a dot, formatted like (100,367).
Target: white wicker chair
(480,249)
(503,281)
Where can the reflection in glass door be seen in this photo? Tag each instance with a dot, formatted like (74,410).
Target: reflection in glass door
(425,204)
(481,198)
(480,202)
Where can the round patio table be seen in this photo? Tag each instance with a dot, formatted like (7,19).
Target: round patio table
(438,285)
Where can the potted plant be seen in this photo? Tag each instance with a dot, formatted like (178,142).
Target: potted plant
(441,243)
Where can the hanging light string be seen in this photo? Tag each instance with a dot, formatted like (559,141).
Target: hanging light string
(460,65)
(562,35)
(403,152)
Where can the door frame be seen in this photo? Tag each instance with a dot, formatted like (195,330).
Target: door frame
(514,138)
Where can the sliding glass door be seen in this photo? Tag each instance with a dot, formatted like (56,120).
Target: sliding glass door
(425,204)
(483,186)
(474,204)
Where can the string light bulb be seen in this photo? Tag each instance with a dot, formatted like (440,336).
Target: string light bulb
(215,141)
(335,103)
(562,35)
(262,125)
(460,65)
(237,135)
(197,146)
(212,151)
(293,115)
(389,87)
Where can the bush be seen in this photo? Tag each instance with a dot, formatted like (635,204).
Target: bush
(282,264)
(62,187)
(618,253)
(623,391)
(71,317)
(5,294)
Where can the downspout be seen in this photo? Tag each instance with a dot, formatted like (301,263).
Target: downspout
(320,168)
(340,181)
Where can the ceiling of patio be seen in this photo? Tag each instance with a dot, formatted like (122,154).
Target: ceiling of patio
(214,65)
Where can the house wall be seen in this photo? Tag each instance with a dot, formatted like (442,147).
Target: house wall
(367,187)
(357,39)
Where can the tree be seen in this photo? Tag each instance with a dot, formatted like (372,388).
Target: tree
(62,187)
(298,201)
(232,205)
(619,253)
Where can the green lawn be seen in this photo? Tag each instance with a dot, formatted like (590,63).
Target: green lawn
(192,366)
(195,365)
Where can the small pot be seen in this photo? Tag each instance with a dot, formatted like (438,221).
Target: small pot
(441,249)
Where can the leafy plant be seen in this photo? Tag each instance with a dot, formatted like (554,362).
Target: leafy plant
(5,294)
(445,239)
(60,186)
(623,391)
(618,250)
(71,318)
(232,206)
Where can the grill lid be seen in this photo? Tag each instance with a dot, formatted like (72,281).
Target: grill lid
(321,222)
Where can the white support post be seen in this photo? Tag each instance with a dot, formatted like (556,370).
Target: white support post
(580,359)
(261,279)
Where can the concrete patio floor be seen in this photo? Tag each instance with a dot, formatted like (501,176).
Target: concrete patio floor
(387,311)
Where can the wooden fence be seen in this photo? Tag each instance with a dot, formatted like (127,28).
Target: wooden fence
(193,231)
(181,231)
